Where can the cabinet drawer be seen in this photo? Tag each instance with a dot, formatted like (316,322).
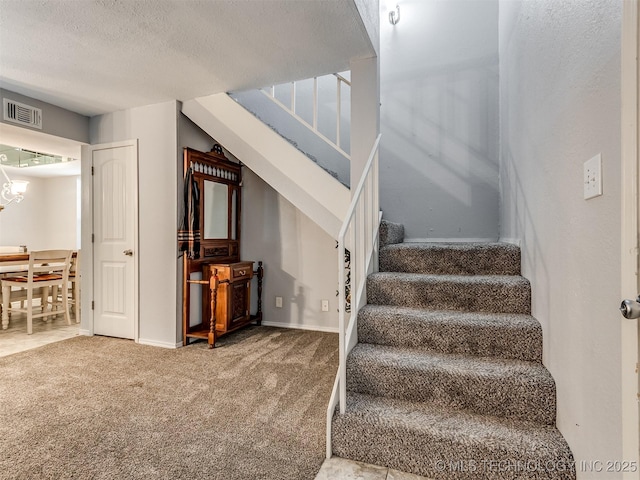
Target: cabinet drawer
(241,271)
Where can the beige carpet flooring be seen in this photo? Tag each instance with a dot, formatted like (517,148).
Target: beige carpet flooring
(103,408)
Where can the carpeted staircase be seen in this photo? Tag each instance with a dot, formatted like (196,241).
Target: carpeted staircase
(446,380)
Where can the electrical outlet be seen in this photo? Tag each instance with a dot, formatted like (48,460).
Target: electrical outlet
(278,302)
(325,305)
(593,177)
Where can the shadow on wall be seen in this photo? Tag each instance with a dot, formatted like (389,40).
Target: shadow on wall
(439,156)
(261,232)
(299,257)
(299,301)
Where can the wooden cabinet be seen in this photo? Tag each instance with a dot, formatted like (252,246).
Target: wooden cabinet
(233,295)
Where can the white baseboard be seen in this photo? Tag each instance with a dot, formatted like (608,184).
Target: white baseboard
(512,241)
(316,328)
(156,343)
(449,240)
(141,341)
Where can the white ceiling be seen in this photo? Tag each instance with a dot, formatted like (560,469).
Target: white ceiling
(98,56)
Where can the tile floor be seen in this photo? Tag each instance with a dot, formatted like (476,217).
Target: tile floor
(15,338)
(342,469)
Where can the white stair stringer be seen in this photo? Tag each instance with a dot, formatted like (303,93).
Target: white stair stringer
(298,179)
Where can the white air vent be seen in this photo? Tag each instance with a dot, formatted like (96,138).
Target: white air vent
(22,114)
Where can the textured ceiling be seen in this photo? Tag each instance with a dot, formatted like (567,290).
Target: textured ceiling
(97,56)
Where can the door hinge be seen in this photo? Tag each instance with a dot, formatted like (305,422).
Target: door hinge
(93,237)
(93,304)
(92,171)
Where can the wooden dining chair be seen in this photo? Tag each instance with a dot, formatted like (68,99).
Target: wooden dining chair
(74,279)
(8,271)
(47,268)
(73,296)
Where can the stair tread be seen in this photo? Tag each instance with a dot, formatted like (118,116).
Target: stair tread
(486,293)
(445,422)
(508,335)
(515,320)
(457,364)
(474,258)
(505,387)
(454,245)
(390,233)
(448,444)
(515,280)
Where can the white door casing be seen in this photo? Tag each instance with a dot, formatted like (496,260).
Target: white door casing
(630,284)
(115,239)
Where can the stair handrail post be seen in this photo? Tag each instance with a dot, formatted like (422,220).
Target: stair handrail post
(338,109)
(354,224)
(315,104)
(341,382)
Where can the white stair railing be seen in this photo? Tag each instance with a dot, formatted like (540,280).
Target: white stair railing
(313,126)
(357,241)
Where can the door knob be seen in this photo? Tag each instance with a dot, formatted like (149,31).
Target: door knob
(630,308)
(128,253)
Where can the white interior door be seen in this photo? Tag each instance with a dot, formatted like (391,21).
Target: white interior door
(115,246)
(630,340)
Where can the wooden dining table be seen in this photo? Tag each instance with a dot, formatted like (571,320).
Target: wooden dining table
(14,258)
(22,258)
(17,263)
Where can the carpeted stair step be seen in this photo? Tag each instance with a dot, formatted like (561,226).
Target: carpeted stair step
(390,233)
(506,388)
(478,293)
(504,335)
(446,444)
(451,258)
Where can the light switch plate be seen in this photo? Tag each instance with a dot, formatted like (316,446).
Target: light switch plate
(278,302)
(593,177)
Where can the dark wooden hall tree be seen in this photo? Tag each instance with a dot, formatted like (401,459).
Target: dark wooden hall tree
(210,239)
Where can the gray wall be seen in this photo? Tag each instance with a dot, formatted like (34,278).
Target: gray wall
(300,259)
(439,119)
(55,120)
(560,106)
